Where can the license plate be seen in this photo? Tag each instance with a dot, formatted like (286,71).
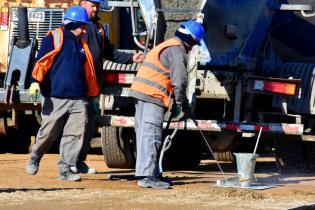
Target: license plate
(33,16)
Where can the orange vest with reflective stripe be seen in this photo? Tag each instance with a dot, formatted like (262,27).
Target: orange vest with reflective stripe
(153,79)
(43,65)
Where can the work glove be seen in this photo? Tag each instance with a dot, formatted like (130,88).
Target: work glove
(95,105)
(34,92)
(188,111)
(176,111)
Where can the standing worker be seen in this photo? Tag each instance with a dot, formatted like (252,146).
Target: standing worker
(64,73)
(162,74)
(100,47)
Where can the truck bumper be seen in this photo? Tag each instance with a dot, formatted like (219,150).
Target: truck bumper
(210,125)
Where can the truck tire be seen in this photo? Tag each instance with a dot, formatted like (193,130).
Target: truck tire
(185,151)
(224,156)
(117,147)
(290,155)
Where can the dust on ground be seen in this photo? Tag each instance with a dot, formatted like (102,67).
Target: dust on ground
(117,189)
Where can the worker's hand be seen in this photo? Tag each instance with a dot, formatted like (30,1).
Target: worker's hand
(34,92)
(95,106)
(138,57)
(176,111)
(188,111)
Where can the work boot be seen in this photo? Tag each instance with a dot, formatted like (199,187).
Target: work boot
(83,168)
(153,182)
(69,176)
(32,166)
(165,179)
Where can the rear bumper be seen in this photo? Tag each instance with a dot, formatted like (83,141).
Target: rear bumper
(17,99)
(211,125)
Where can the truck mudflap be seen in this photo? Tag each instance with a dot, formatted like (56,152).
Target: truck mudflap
(210,125)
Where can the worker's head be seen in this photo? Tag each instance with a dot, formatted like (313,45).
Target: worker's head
(75,20)
(91,6)
(190,33)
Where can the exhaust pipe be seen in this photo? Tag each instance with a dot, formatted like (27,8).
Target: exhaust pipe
(23,40)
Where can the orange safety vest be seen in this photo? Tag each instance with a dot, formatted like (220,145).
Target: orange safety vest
(152,78)
(43,65)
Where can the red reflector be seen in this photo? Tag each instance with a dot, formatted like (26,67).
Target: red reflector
(110,78)
(114,78)
(4,18)
(233,127)
(121,78)
(264,128)
(275,87)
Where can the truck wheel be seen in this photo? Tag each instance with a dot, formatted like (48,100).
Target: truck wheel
(289,151)
(185,152)
(117,147)
(224,156)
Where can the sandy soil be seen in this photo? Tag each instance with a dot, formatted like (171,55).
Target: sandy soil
(117,189)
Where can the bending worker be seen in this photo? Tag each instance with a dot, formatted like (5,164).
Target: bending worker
(162,74)
(101,48)
(64,73)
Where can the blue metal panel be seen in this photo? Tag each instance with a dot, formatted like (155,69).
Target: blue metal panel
(236,30)
(292,37)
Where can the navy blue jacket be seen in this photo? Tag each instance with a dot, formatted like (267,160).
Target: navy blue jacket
(66,78)
(93,37)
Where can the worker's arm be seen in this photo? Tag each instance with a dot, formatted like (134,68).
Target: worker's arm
(46,46)
(34,89)
(110,53)
(175,59)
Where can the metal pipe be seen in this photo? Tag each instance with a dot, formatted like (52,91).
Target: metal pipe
(133,26)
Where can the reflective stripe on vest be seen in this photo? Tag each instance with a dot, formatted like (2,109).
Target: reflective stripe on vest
(153,79)
(57,38)
(43,65)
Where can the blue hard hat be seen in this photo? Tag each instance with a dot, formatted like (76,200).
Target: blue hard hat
(194,28)
(96,1)
(77,14)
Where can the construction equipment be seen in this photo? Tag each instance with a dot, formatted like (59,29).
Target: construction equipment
(248,73)
(23,25)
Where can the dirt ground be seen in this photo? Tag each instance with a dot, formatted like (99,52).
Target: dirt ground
(117,189)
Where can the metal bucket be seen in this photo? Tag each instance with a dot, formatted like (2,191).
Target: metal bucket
(245,167)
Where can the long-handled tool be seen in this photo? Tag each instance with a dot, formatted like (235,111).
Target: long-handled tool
(166,145)
(168,142)
(212,153)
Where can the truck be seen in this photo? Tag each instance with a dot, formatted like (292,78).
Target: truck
(253,70)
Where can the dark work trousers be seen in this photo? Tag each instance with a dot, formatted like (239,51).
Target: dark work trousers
(68,116)
(90,129)
(149,128)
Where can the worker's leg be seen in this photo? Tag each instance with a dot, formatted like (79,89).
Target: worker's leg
(72,138)
(149,119)
(81,166)
(52,114)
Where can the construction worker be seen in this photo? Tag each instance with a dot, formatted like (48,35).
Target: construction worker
(162,74)
(65,75)
(100,47)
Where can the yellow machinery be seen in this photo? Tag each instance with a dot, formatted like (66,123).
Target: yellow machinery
(16,111)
